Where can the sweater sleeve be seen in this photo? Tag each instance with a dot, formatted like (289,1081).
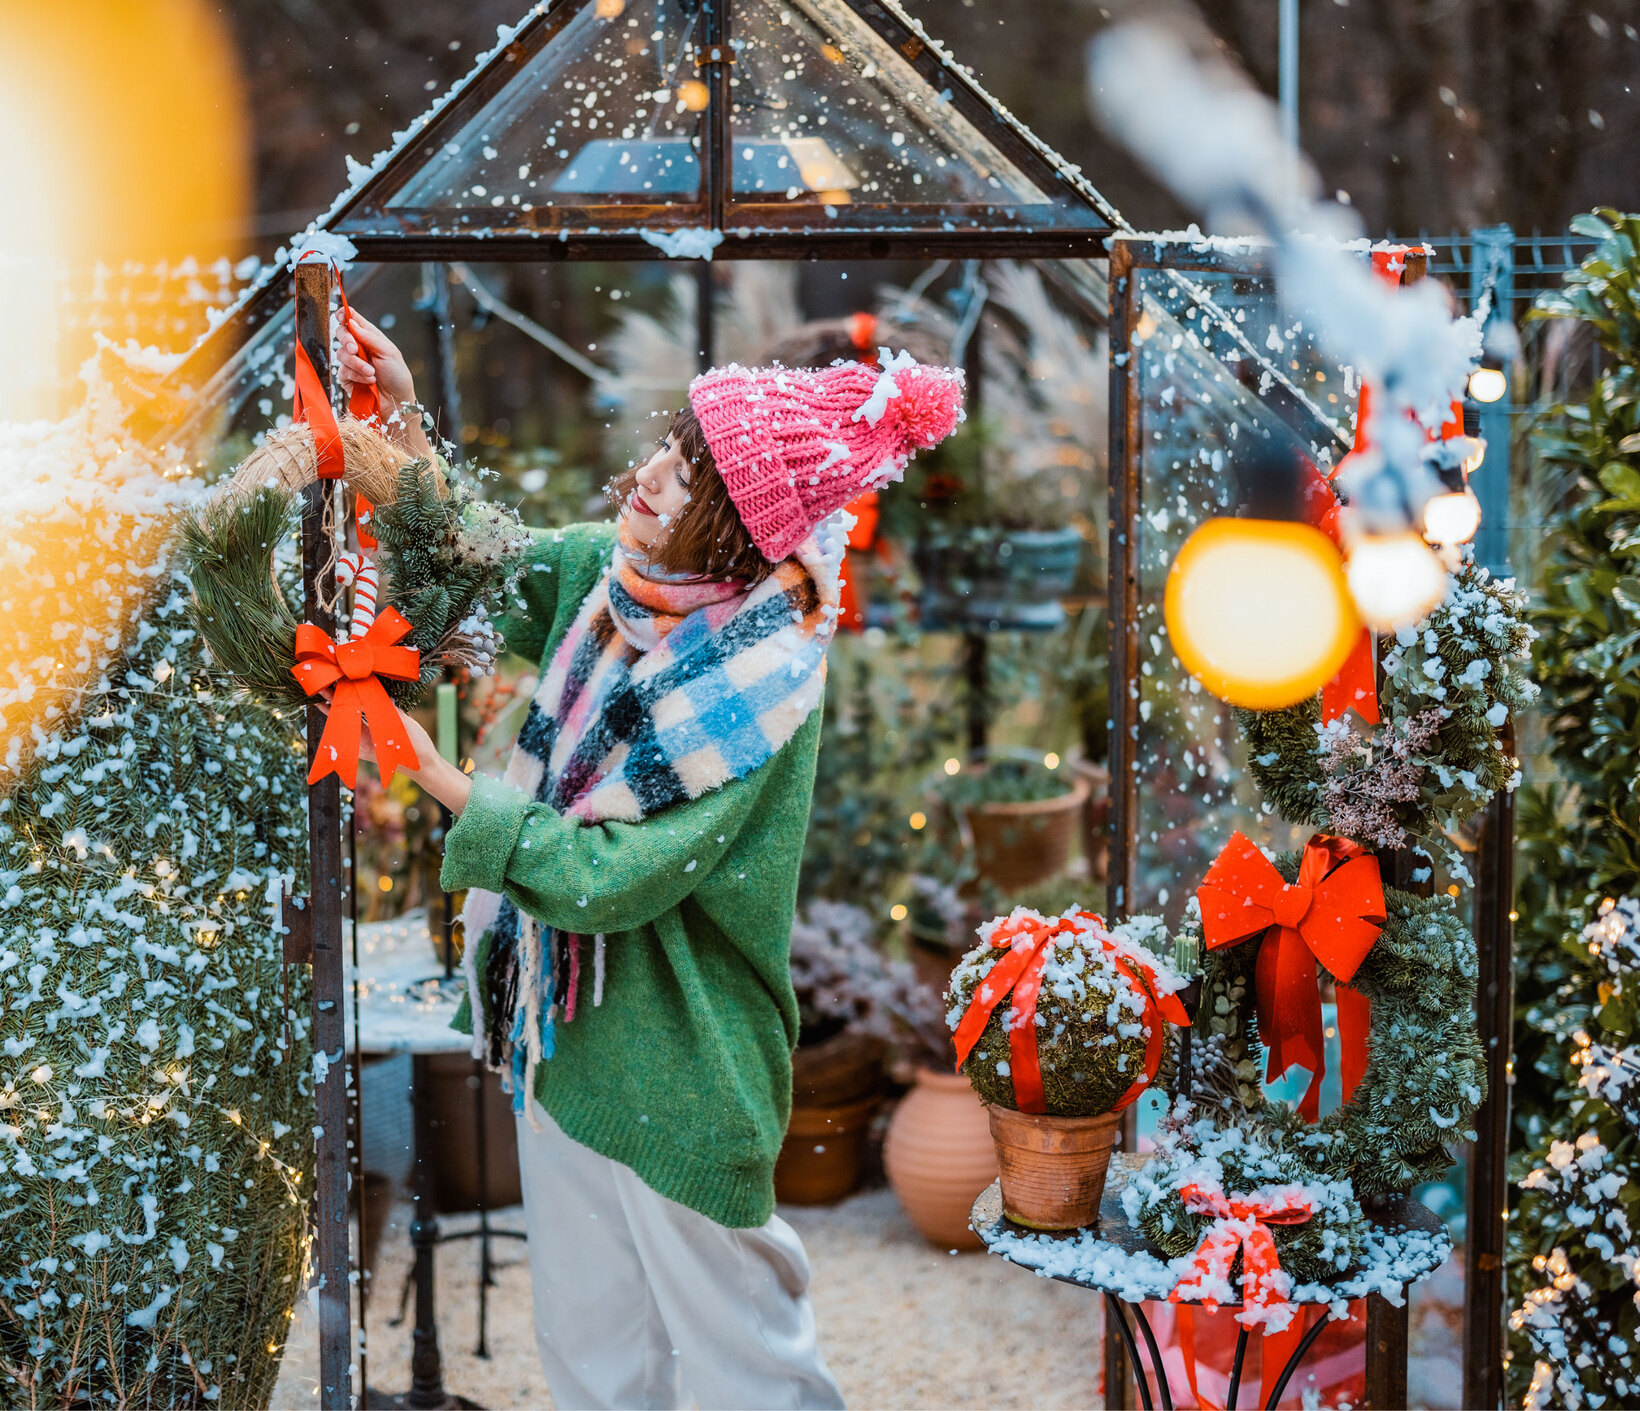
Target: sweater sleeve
(528,620)
(601,877)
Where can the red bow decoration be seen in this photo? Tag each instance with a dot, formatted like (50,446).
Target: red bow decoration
(355,669)
(1239,1223)
(1029,943)
(1332,913)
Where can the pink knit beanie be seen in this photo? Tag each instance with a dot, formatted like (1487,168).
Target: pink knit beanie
(795,444)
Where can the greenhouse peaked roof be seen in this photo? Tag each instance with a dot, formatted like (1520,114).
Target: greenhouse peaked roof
(769,128)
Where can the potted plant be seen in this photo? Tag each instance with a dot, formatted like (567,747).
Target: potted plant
(841,978)
(1018,815)
(1060,1025)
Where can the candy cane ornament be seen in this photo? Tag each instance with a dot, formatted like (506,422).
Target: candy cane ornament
(360,570)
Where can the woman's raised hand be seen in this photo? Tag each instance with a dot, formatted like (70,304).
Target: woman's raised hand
(369,356)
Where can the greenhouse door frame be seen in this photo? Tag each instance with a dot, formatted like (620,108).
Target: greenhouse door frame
(1487,1188)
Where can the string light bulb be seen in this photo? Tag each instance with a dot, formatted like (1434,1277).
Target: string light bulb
(1259,612)
(1452,518)
(1488,384)
(1395,579)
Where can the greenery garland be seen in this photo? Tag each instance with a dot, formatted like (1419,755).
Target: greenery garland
(1449,685)
(446,558)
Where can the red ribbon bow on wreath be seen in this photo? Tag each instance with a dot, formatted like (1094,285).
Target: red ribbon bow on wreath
(1239,1223)
(355,668)
(1332,913)
(1029,943)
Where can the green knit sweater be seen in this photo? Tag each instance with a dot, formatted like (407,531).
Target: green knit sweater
(684,1072)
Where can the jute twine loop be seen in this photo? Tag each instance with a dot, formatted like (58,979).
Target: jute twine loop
(286,461)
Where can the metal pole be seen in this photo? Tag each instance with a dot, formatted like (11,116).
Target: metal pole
(705,326)
(435,304)
(1287,44)
(1494,262)
(1287,81)
(330,1264)
(1122,593)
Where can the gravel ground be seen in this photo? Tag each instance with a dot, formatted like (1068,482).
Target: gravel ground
(902,1324)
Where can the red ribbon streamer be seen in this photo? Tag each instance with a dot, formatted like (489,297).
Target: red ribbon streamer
(355,669)
(1333,913)
(1029,943)
(1276,1350)
(312,401)
(1239,1223)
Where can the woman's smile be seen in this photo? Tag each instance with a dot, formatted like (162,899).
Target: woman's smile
(640,504)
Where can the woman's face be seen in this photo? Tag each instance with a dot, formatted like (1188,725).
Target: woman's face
(661,494)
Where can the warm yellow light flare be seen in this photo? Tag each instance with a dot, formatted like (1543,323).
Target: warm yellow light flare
(122,140)
(1258,611)
(693,94)
(1395,579)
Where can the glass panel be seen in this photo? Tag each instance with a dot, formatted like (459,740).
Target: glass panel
(831,119)
(608,112)
(1201,396)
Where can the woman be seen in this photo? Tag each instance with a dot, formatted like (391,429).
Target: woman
(633,878)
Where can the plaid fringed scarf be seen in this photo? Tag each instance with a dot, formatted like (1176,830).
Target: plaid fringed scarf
(661,691)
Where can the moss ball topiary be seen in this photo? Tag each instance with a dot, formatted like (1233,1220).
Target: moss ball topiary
(1090,1015)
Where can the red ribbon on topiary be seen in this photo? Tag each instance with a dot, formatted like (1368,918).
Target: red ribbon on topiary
(1029,943)
(1239,1223)
(1333,913)
(355,668)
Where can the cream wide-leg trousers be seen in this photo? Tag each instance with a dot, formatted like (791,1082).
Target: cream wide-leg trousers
(644,1303)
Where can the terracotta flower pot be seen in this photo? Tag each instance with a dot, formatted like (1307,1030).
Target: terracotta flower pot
(819,1161)
(938,1157)
(834,1095)
(1020,844)
(1052,1168)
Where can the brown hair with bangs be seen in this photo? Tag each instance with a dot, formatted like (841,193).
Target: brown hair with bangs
(707,539)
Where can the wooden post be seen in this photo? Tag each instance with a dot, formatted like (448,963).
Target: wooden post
(330,1262)
(1488,1185)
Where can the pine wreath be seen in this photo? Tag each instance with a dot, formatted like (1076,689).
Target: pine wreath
(1449,685)
(1425,1075)
(445,558)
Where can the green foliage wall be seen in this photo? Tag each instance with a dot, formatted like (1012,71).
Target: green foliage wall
(1580,831)
(155,1091)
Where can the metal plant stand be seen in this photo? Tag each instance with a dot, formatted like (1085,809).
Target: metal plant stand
(1119,1235)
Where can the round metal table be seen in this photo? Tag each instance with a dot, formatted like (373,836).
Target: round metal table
(1115,1235)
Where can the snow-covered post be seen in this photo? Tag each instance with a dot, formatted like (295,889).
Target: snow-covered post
(330,1263)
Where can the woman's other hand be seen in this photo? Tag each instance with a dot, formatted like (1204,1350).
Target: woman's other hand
(370,357)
